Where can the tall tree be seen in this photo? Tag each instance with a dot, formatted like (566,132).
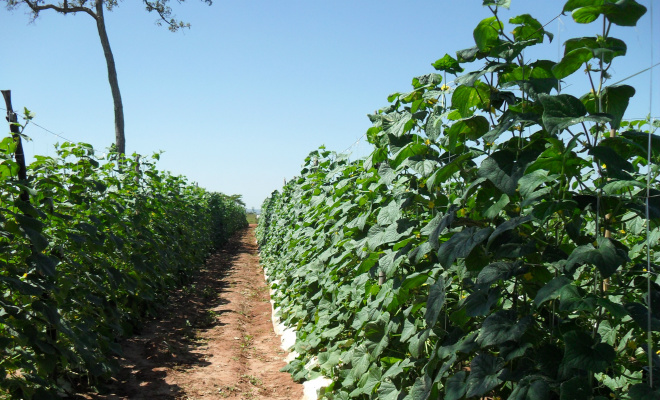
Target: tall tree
(95,8)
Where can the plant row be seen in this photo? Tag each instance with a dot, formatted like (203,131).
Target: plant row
(88,249)
(500,241)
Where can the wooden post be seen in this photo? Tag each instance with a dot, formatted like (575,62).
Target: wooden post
(19,156)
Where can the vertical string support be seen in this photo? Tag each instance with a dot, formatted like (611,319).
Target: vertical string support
(649,336)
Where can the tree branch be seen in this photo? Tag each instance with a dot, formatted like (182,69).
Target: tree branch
(36,8)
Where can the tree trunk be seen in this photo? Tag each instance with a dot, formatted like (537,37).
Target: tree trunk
(120,140)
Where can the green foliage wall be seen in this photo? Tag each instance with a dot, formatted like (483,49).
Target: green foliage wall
(494,244)
(93,252)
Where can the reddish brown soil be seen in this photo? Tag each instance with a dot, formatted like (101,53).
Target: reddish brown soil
(216,340)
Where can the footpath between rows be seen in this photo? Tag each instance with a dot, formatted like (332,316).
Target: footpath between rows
(214,341)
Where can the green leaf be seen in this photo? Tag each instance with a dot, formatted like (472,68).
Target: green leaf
(583,353)
(409,150)
(461,244)
(642,391)
(531,388)
(575,388)
(421,389)
(436,226)
(496,271)
(484,375)
(501,327)
(465,98)
(435,301)
(640,315)
(605,257)
(610,157)
(443,174)
(43,263)
(418,342)
(497,3)
(387,391)
(448,64)
(503,171)
(486,34)
(571,62)
(456,387)
(416,279)
(332,333)
(471,128)
(528,28)
(551,290)
(622,12)
(563,111)
(615,100)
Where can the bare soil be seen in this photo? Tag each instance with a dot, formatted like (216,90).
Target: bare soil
(215,340)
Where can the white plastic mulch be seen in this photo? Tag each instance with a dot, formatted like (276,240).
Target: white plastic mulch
(311,388)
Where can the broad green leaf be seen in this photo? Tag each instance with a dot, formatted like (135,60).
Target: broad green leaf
(611,158)
(605,257)
(561,111)
(435,301)
(465,98)
(622,12)
(443,174)
(461,244)
(486,34)
(583,353)
(614,101)
(497,3)
(531,388)
(387,391)
(418,342)
(575,388)
(484,375)
(421,389)
(639,314)
(409,150)
(502,169)
(448,64)
(501,327)
(571,62)
(456,387)
(481,301)
(332,333)
(497,271)
(471,128)
(528,28)
(642,391)
(551,290)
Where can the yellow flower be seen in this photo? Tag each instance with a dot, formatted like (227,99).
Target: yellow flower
(632,345)
(622,231)
(431,204)
(603,166)
(427,142)
(25,275)
(444,88)
(528,276)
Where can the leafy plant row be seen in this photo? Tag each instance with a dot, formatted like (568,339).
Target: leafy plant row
(500,241)
(90,254)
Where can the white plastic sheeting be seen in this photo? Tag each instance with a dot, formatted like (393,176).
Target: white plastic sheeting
(312,389)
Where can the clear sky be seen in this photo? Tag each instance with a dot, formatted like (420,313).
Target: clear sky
(238,101)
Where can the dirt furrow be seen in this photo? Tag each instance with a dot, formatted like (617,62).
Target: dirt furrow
(215,341)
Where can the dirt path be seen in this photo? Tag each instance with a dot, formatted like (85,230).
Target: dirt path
(216,340)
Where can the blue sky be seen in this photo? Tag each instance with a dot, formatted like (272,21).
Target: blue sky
(238,101)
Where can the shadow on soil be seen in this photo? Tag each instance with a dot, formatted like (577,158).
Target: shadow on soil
(170,342)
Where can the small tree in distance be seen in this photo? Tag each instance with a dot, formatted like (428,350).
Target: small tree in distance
(95,8)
